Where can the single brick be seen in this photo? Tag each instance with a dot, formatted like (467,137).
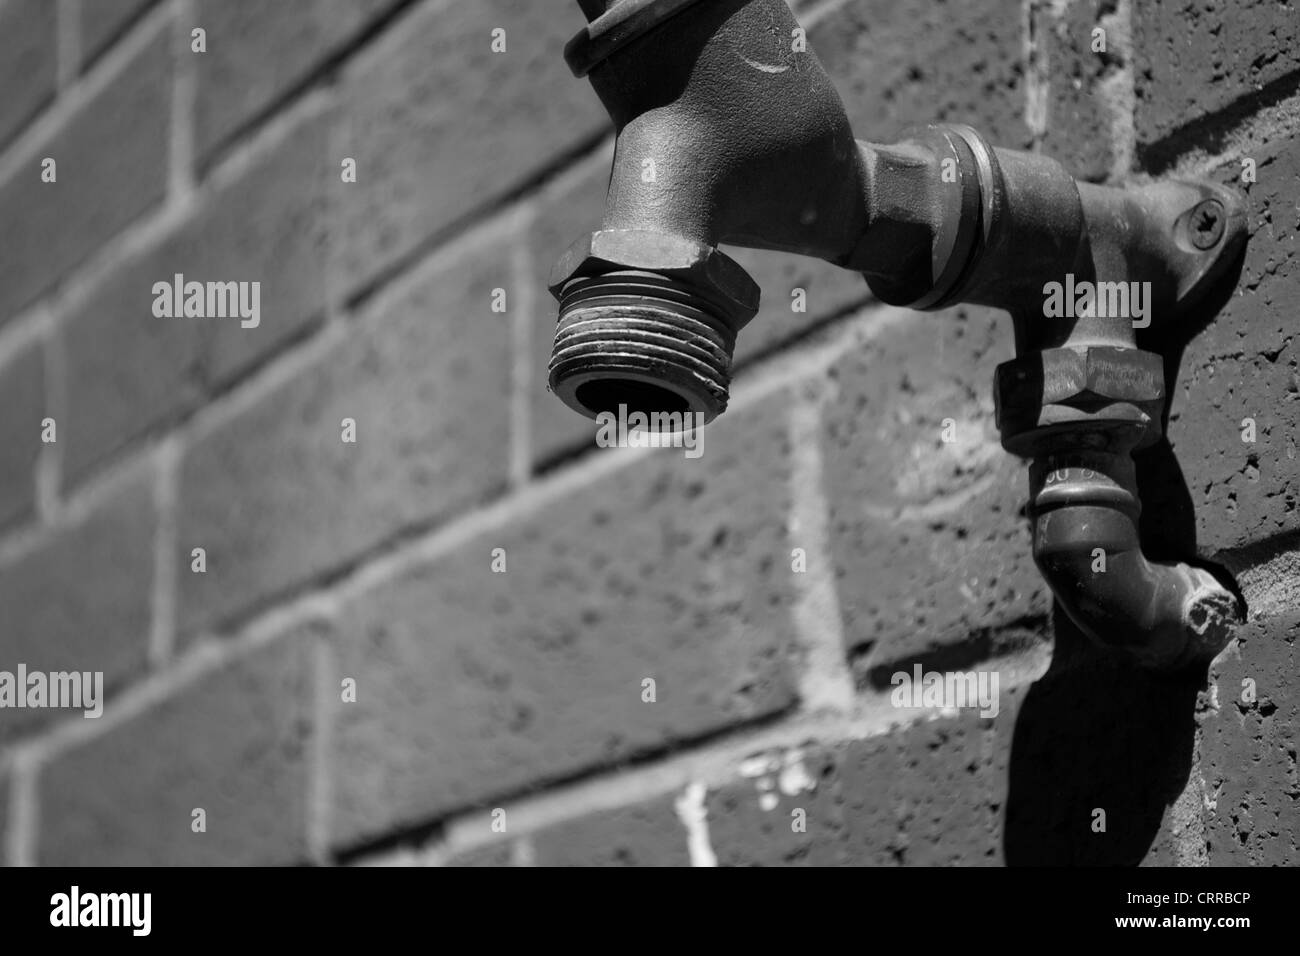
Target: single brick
(898,64)
(28,61)
(130,371)
(473,684)
(441,126)
(1221,491)
(234,743)
(22,406)
(81,602)
(1195,58)
(275,495)
(927,536)
(111,166)
(102,21)
(927,797)
(1248,748)
(258,50)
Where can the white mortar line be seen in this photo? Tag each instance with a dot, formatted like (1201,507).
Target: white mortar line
(31,327)
(340,142)
(49,459)
(523,852)
(24,813)
(694,816)
(811,359)
(1038,91)
(810,13)
(1119,94)
(266,381)
(180,166)
(949,504)
(824,680)
(68,41)
(319,791)
(162,634)
(523,311)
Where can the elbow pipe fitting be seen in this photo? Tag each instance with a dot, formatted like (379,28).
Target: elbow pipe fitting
(1084,508)
(1079,413)
(729,133)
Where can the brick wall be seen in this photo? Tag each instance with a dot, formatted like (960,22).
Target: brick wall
(349,680)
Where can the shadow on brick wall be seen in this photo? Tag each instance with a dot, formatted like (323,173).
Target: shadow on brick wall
(1094,734)
(1168,520)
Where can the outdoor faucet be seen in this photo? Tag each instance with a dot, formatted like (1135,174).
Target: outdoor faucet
(730,132)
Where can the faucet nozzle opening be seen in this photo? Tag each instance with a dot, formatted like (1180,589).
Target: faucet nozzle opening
(607,394)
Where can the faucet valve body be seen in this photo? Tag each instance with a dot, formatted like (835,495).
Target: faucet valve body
(729,133)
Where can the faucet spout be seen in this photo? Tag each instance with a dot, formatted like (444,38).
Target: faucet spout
(728,131)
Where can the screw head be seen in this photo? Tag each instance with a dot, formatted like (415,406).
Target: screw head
(1205,224)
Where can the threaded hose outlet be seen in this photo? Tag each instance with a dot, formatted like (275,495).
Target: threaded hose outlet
(652,343)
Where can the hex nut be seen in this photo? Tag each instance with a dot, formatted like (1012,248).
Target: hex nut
(1091,377)
(705,268)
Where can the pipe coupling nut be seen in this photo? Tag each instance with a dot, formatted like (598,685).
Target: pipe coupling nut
(714,275)
(1104,386)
